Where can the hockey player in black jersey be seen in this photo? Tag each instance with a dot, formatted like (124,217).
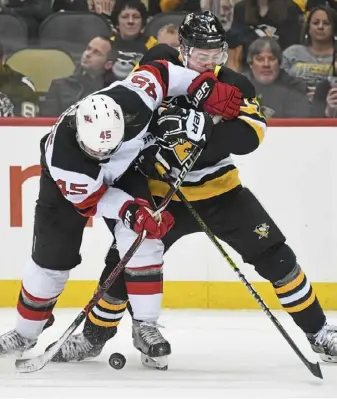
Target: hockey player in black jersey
(216,192)
(85,161)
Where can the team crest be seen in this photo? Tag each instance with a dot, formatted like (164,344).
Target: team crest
(87,118)
(182,151)
(262,230)
(117,114)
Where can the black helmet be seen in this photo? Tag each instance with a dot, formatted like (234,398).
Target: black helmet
(202,30)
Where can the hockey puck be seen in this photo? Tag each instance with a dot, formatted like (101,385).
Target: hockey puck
(117,361)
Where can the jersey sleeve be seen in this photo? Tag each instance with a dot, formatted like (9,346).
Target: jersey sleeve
(159,79)
(251,114)
(86,191)
(90,197)
(161,52)
(245,133)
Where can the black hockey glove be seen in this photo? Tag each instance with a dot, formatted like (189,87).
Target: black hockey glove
(177,125)
(148,160)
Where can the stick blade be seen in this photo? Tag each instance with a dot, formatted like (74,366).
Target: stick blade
(315,368)
(30,365)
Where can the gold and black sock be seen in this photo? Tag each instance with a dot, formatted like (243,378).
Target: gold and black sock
(299,299)
(101,323)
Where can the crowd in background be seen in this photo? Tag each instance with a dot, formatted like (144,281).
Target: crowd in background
(53,53)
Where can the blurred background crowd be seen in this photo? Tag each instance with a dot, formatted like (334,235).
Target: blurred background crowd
(55,52)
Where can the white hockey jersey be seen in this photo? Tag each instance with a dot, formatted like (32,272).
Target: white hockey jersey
(88,183)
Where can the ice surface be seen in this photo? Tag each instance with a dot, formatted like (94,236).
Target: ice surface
(215,354)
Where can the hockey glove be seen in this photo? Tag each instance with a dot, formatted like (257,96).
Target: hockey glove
(214,97)
(148,159)
(137,215)
(177,125)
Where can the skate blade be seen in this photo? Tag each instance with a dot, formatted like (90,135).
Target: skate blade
(158,363)
(328,358)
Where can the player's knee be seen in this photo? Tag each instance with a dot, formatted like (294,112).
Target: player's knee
(276,263)
(44,283)
(150,253)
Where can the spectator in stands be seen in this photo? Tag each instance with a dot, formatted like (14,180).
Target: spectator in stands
(226,11)
(310,4)
(101,7)
(33,12)
(93,73)
(226,14)
(281,95)
(168,34)
(252,19)
(129,18)
(70,5)
(17,92)
(324,103)
(313,59)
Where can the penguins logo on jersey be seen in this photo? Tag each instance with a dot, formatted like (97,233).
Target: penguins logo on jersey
(262,230)
(182,151)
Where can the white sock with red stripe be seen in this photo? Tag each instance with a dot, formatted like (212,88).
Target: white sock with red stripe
(38,295)
(145,291)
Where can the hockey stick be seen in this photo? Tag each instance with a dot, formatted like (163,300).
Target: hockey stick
(37,363)
(314,368)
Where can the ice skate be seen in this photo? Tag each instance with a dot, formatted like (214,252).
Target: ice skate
(153,346)
(77,348)
(12,343)
(325,343)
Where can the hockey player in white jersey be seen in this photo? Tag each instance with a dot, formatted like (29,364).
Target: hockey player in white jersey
(83,158)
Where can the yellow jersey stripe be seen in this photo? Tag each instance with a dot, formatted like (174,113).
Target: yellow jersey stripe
(259,127)
(151,42)
(217,70)
(209,189)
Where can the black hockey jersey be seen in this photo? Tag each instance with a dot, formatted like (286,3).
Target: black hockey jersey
(214,172)
(88,183)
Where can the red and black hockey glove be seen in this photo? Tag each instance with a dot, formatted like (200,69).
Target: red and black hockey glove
(214,97)
(137,215)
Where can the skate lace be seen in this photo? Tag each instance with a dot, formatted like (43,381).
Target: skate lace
(150,332)
(74,346)
(13,340)
(327,337)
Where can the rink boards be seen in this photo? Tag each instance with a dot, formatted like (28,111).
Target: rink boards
(293,173)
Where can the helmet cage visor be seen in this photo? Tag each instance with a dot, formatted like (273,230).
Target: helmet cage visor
(186,51)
